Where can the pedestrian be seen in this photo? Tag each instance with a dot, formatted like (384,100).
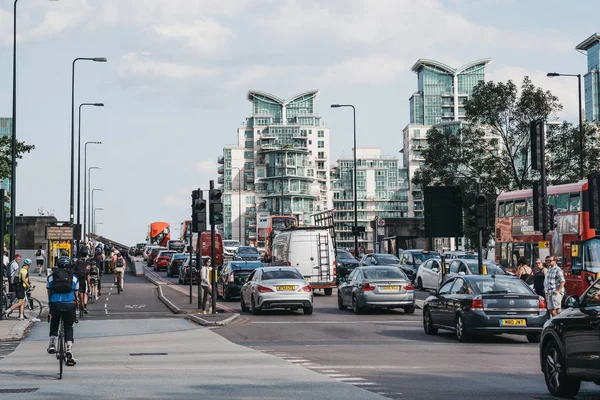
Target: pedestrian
(554,287)
(205,276)
(524,271)
(361,250)
(40,256)
(13,271)
(539,274)
(21,287)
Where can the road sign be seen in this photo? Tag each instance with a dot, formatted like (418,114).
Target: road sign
(380,231)
(381,222)
(544,245)
(59,233)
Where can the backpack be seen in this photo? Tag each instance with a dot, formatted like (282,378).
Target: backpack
(94,271)
(120,262)
(80,270)
(38,253)
(63,280)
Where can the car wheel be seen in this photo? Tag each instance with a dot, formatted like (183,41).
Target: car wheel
(461,331)
(341,305)
(559,384)
(428,323)
(242,304)
(355,307)
(409,310)
(533,337)
(179,280)
(168,272)
(226,294)
(419,284)
(255,310)
(308,310)
(328,291)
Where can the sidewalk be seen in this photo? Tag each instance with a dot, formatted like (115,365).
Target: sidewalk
(177,299)
(12,329)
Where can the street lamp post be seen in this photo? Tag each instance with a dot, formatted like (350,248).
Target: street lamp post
(72,182)
(581,166)
(94,217)
(85,191)
(79,163)
(356,254)
(89,209)
(96,226)
(239,204)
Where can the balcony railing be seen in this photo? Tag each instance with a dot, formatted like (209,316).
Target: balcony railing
(220,170)
(220,160)
(220,180)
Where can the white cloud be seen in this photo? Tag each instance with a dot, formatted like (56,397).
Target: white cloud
(139,66)
(375,69)
(203,36)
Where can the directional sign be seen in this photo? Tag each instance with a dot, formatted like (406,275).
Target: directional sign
(544,245)
(59,233)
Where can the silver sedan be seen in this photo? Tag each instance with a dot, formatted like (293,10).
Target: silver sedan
(377,287)
(276,287)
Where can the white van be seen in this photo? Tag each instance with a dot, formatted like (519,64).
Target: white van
(310,249)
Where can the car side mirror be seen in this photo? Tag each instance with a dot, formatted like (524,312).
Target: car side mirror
(435,292)
(435,270)
(572,302)
(461,273)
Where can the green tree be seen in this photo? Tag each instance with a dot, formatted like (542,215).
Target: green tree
(491,148)
(563,155)
(5,155)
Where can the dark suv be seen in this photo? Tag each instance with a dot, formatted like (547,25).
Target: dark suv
(570,345)
(411,259)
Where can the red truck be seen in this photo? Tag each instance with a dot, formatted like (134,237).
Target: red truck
(205,246)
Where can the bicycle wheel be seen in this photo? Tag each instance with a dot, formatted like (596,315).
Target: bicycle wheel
(92,297)
(61,353)
(33,308)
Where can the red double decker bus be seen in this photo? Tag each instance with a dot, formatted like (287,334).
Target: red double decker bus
(160,233)
(572,240)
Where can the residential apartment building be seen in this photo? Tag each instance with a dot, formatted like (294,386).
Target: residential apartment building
(439,101)
(280,165)
(382,191)
(591,47)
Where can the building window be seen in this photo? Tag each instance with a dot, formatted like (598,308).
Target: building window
(321,133)
(320,144)
(249,199)
(417,133)
(321,154)
(249,154)
(310,142)
(249,145)
(249,134)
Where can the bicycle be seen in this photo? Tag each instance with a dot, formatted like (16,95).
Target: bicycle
(119,282)
(33,307)
(93,291)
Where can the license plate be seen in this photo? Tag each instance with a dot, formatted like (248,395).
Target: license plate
(389,288)
(286,288)
(513,322)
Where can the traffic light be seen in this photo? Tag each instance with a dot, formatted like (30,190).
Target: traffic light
(593,199)
(548,221)
(215,206)
(481,211)
(198,212)
(538,144)
(538,205)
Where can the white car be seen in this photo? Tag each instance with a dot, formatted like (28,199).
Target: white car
(230,247)
(147,251)
(429,275)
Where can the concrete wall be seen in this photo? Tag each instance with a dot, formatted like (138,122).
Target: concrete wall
(30,233)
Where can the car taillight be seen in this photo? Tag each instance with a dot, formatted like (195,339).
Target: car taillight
(230,277)
(289,264)
(368,287)
(263,289)
(543,305)
(477,303)
(306,288)
(409,287)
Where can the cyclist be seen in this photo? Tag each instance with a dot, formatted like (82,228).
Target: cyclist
(100,265)
(119,269)
(62,286)
(94,277)
(21,286)
(82,269)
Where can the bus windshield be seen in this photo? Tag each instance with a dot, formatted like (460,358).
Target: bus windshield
(283,223)
(591,254)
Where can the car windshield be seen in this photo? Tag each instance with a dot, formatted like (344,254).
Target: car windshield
(231,243)
(281,274)
(492,269)
(248,249)
(246,265)
(387,259)
(383,273)
(500,286)
(421,257)
(343,254)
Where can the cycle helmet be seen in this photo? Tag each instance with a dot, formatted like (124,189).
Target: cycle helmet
(63,262)
(27,261)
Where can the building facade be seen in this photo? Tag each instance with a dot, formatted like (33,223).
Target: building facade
(280,165)
(382,191)
(591,80)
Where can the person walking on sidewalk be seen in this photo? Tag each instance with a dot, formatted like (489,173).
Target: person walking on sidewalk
(13,271)
(554,286)
(205,273)
(40,256)
(21,288)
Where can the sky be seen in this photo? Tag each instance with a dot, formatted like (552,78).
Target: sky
(178,72)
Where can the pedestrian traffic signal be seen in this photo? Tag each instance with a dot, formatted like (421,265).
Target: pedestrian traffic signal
(198,212)
(548,221)
(538,144)
(215,206)
(538,205)
(481,211)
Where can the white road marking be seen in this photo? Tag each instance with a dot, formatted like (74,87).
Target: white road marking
(351,379)
(105,305)
(105,311)
(294,360)
(363,383)
(338,375)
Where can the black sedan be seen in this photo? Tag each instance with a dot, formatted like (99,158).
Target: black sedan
(345,262)
(233,276)
(248,253)
(485,304)
(570,345)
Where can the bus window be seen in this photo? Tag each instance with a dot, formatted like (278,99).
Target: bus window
(574,202)
(500,209)
(562,202)
(529,206)
(508,209)
(504,254)
(519,210)
(552,200)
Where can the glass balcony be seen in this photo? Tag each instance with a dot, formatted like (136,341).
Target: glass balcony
(220,180)
(220,160)
(220,169)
